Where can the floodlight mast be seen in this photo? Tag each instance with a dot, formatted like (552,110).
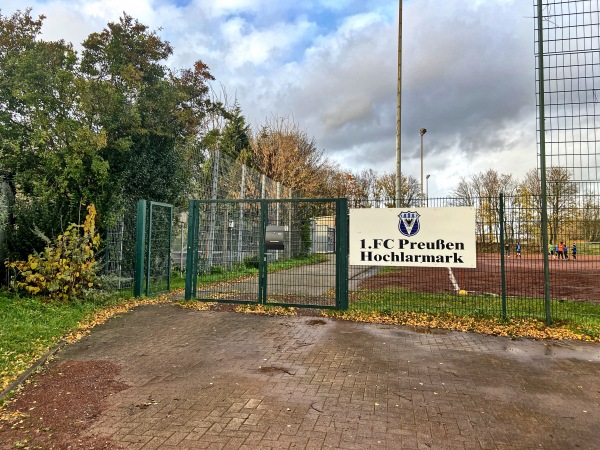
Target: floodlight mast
(399,111)
(422,132)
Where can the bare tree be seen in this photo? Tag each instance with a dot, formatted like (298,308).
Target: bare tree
(464,194)
(589,218)
(483,191)
(410,194)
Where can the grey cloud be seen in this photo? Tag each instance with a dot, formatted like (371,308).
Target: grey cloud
(468,77)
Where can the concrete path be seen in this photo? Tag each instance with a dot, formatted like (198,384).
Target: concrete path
(313,281)
(228,380)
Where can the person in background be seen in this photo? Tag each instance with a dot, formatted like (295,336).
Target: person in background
(574,251)
(560,250)
(518,250)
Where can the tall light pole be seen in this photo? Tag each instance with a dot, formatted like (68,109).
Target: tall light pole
(422,132)
(427,188)
(399,109)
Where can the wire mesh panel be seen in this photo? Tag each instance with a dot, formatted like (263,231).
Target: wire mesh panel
(217,176)
(571,42)
(303,273)
(158,248)
(119,254)
(118,268)
(235,259)
(509,277)
(224,241)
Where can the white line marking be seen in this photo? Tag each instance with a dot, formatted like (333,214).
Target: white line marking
(453,280)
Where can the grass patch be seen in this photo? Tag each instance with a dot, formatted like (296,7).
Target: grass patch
(30,327)
(587,248)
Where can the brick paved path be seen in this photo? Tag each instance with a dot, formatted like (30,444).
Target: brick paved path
(203,379)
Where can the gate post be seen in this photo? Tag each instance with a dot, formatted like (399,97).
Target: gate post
(191,266)
(140,243)
(341,253)
(262,253)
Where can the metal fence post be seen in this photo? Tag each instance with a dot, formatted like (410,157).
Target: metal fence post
(262,257)
(140,243)
(502,256)
(169,268)
(213,208)
(241,218)
(149,251)
(341,253)
(192,251)
(542,141)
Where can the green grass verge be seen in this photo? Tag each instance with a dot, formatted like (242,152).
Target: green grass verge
(587,248)
(30,327)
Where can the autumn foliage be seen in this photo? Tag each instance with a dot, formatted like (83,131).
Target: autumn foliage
(66,269)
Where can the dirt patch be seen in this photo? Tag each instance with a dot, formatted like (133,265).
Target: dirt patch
(569,280)
(57,407)
(272,369)
(314,322)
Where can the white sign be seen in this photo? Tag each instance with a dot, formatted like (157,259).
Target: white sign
(421,237)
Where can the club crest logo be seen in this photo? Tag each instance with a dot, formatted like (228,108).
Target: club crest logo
(409,224)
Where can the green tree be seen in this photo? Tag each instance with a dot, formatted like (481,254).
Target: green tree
(235,137)
(150,114)
(483,190)
(49,154)
(108,128)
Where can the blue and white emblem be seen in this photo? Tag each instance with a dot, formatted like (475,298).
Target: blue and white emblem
(409,224)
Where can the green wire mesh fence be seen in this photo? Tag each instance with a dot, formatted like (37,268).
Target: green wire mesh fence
(509,278)
(277,252)
(215,176)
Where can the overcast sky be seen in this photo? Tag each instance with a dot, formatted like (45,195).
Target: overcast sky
(468,72)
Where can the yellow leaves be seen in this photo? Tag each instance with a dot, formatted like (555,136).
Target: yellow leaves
(103,315)
(517,327)
(66,267)
(266,310)
(198,306)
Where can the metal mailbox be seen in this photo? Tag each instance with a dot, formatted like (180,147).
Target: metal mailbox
(274,237)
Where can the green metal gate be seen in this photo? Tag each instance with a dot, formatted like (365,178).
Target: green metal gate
(268,252)
(153,248)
